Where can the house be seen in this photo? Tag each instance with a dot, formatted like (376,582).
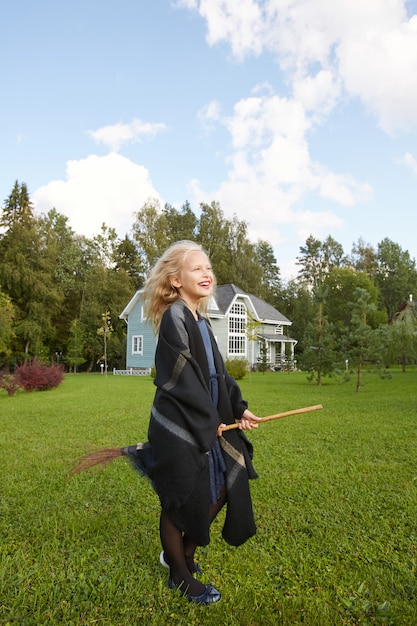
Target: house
(407,309)
(229,312)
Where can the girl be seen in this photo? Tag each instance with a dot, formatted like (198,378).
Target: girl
(194,468)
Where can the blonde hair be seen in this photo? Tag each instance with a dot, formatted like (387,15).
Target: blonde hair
(159,293)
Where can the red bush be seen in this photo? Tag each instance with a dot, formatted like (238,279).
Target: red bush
(9,383)
(37,377)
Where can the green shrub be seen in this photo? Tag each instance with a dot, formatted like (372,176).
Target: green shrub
(237,368)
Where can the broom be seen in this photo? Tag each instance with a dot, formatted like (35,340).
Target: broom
(268,418)
(105,455)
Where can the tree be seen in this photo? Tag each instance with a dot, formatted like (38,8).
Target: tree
(263,358)
(151,234)
(396,275)
(403,335)
(310,260)
(106,289)
(333,255)
(288,363)
(363,258)
(317,259)
(241,268)
(270,283)
(319,356)
(27,276)
(234,257)
(75,346)
(360,333)
(182,223)
(127,259)
(252,328)
(105,330)
(340,284)
(6,326)
(214,234)
(64,252)
(18,208)
(211,234)
(295,301)
(105,245)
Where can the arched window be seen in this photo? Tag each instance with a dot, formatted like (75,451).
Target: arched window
(237,330)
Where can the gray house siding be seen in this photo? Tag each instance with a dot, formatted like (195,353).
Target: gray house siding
(220,332)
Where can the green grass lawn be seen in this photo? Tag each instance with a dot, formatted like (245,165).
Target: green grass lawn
(335,504)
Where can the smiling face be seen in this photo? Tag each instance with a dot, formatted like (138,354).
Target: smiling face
(195,278)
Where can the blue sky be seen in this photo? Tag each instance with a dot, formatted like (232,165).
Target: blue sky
(298,116)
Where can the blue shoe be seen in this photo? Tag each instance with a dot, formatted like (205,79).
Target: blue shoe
(209,595)
(163,562)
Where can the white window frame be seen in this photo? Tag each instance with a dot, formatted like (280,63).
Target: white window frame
(237,340)
(137,344)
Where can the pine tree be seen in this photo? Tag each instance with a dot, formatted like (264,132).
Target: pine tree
(359,335)
(263,358)
(319,356)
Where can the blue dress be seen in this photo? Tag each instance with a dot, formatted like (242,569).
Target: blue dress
(217,465)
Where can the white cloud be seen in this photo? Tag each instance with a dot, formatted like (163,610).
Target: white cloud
(186,4)
(328,53)
(271,169)
(208,115)
(271,216)
(239,22)
(368,49)
(105,189)
(116,135)
(383,81)
(410,162)
(318,94)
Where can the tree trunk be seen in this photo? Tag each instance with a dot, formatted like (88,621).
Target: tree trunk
(358,379)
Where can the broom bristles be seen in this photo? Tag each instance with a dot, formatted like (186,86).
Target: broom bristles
(99,457)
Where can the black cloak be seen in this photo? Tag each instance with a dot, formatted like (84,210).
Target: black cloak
(183,427)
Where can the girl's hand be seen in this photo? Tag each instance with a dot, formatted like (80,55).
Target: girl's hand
(249,421)
(246,422)
(220,429)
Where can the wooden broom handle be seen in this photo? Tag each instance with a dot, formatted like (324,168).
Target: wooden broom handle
(277,416)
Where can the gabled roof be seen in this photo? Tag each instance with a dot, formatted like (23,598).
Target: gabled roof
(267,312)
(225,295)
(262,311)
(130,305)
(223,299)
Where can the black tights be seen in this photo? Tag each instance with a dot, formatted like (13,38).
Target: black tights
(179,550)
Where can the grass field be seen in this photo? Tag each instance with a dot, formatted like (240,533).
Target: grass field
(335,504)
